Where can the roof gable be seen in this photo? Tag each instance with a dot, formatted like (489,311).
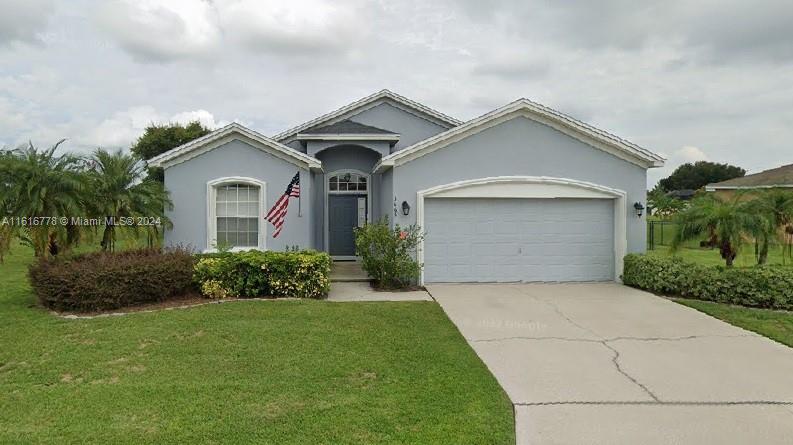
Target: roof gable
(775,177)
(384,96)
(531,110)
(225,134)
(347,127)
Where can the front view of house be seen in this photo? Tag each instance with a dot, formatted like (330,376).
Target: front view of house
(522,193)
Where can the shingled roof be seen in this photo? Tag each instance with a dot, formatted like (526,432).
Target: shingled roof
(776,177)
(347,127)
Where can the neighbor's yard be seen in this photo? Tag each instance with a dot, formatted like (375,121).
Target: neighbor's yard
(711,257)
(690,250)
(266,372)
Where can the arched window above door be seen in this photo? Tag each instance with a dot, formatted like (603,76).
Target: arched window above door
(347,182)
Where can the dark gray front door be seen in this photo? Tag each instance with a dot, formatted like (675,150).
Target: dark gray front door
(342,219)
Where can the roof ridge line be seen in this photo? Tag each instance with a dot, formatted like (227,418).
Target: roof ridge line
(605,137)
(384,93)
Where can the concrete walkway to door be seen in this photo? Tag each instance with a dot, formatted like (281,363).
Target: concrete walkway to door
(607,364)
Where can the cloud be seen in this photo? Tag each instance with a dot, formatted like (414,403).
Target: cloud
(723,32)
(205,117)
(154,31)
(689,154)
(124,127)
(683,155)
(518,65)
(119,130)
(744,31)
(23,21)
(664,75)
(296,27)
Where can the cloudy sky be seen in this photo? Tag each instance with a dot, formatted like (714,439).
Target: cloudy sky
(705,79)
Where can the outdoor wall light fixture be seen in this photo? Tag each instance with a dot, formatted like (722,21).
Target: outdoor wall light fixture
(639,209)
(405,208)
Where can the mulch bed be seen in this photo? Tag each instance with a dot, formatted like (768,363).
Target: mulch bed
(180,302)
(400,289)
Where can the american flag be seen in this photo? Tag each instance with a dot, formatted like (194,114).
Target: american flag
(277,214)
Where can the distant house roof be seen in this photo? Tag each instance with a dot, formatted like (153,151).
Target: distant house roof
(776,177)
(684,194)
(347,127)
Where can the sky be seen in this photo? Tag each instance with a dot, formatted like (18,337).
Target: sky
(690,80)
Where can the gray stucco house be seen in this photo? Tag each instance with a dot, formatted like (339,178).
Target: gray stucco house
(522,193)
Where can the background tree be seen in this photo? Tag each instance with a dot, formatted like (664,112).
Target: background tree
(697,175)
(774,211)
(663,205)
(120,189)
(38,183)
(728,218)
(159,138)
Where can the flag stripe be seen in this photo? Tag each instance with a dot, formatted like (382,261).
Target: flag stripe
(277,211)
(281,201)
(277,214)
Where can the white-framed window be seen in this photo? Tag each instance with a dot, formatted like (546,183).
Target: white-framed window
(348,182)
(235,213)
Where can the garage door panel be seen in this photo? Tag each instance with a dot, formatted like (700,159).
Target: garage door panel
(487,240)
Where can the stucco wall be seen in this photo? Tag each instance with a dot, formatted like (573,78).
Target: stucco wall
(386,196)
(524,147)
(187,184)
(410,127)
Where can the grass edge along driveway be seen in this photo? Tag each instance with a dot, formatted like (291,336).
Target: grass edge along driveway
(277,372)
(776,325)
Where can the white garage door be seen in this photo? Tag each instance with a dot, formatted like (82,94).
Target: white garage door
(506,240)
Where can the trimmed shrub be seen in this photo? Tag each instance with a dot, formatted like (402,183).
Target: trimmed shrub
(387,254)
(253,273)
(760,286)
(111,280)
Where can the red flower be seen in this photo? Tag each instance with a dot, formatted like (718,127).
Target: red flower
(403,235)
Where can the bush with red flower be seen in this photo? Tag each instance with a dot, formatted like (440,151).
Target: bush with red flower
(388,253)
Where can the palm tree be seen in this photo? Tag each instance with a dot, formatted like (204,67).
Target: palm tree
(39,184)
(121,190)
(729,219)
(775,211)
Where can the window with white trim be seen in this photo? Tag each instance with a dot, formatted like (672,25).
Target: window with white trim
(237,215)
(347,182)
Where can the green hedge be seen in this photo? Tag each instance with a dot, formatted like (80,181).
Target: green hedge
(104,280)
(760,286)
(254,273)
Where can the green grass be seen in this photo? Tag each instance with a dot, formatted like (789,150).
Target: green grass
(777,325)
(712,257)
(279,372)
(690,250)
(665,233)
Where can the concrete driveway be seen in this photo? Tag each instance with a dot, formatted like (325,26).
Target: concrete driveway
(607,364)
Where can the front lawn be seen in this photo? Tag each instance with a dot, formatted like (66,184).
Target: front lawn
(777,325)
(274,372)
